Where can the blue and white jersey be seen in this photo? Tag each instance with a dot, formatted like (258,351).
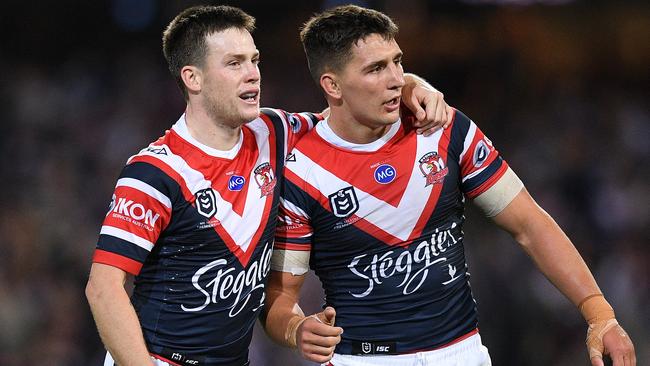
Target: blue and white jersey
(196,226)
(382,223)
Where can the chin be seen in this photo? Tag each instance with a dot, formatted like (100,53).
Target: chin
(251,114)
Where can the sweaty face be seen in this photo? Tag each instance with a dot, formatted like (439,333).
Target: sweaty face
(231,77)
(371,82)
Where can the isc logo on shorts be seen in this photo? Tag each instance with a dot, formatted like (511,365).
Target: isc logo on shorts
(373,348)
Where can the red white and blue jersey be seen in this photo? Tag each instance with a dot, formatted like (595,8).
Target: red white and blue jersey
(196,226)
(383,225)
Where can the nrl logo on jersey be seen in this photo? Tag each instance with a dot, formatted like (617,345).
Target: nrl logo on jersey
(206,202)
(433,168)
(265,178)
(344,202)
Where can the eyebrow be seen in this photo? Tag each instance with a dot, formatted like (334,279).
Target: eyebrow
(382,62)
(241,56)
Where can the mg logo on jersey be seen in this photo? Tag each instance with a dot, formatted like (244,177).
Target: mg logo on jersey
(344,202)
(433,168)
(265,178)
(206,202)
(236,183)
(385,174)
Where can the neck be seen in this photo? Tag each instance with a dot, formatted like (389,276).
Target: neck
(349,129)
(209,131)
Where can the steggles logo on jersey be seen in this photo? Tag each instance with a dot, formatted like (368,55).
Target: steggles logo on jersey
(413,264)
(433,168)
(480,153)
(265,178)
(385,174)
(232,286)
(344,202)
(206,202)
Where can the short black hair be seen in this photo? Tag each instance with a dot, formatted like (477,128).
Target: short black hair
(184,39)
(328,37)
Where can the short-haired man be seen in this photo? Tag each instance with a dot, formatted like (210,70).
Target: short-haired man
(377,212)
(193,214)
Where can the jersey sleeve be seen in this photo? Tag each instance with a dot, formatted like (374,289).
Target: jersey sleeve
(295,125)
(481,166)
(294,231)
(140,210)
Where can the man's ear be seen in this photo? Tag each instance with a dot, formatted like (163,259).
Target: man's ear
(328,82)
(192,78)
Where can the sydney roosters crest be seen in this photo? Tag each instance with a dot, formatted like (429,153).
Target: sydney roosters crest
(433,168)
(265,178)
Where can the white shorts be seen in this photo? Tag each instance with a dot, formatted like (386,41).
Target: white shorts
(468,352)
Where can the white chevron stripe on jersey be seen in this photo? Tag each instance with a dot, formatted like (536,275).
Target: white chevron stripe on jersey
(128,236)
(238,227)
(468,140)
(145,188)
(372,209)
(289,206)
(474,174)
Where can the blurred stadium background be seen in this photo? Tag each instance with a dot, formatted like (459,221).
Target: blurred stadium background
(561,87)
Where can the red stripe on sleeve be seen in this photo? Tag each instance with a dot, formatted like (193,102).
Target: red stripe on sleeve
(488,183)
(116,260)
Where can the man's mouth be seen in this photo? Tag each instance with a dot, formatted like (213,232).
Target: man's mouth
(250,97)
(393,103)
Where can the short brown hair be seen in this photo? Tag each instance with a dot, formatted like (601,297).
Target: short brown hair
(328,37)
(184,38)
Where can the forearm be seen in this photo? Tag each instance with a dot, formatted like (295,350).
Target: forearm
(282,312)
(118,324)
(548,246)
(557,258)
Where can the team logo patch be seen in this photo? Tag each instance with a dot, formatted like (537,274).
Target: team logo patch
(344,202)
(385,174)
(236,183)
(433,168)
(265,178)
(206,202)
(295,124)
(481,153)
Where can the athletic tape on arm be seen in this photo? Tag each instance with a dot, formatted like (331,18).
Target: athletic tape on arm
(295,262)
(497,197)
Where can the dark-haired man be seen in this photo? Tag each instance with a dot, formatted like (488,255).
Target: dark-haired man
(377,212)
(193,214)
